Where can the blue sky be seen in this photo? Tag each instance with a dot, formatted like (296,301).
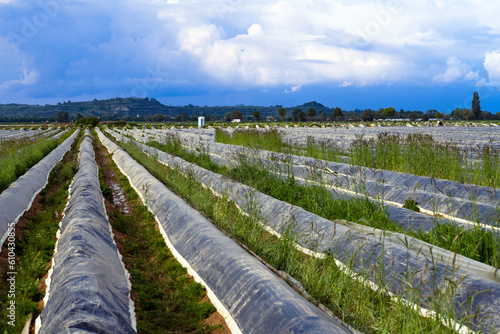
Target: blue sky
(412,55)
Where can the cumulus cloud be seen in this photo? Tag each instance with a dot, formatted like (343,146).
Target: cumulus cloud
(492,66)
(456,69)
(293,89)
(196,39)
(158,47)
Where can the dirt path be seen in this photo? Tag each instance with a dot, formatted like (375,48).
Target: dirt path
(119,204)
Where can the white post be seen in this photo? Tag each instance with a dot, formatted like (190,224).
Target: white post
(201,122)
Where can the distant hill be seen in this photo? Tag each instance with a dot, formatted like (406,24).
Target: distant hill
(133,109)
(105,109)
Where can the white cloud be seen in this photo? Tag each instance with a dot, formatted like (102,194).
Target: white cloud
(492,66)
(87,47)
(293,89)
(346,84)
(195,40)
(456,69)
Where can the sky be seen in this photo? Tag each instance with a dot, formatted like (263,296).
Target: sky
(411,55)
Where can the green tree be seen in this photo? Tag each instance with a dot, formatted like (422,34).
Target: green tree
(227,116)
(432,113)
(337,112)
(78,116)
(486,115)
(467,115)
(295,113)
(323,116)
(390,111)
(60,116)
(476,107)
(282,113)
(256,114)
(367,115)
(457,113)
(90,121)
(311,112)
(236,115)
(300,116)
(158,118)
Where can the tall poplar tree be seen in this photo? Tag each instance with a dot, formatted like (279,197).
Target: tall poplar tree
(476,108)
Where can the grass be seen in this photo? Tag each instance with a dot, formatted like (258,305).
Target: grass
(173,146)
(20,155)
(395,152)
(34,248)
(367,310)
(420,154)
(315,199)
(475,243)
(166,299)
(272,140)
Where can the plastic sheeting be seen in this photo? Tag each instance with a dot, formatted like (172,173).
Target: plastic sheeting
(464,137)
(256,299)
(60,134)
(17,199)
(454,200)
(450,198)
(398,263)
(88,288)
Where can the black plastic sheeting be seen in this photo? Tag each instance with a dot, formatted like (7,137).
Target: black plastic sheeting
(402,267)
(88,289)
(17,199)
(256,299)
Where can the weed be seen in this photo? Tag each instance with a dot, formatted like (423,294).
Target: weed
(410,204)
(367,310)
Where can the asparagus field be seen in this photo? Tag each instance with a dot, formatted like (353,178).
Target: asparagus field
(373,229)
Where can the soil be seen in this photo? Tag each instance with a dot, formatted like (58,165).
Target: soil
(111,179)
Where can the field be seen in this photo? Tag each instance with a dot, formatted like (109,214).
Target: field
(253,229)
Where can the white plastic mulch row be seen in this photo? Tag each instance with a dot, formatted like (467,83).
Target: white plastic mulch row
(249,296)
(453,200)
(17,199)
(88,287)
(18,134)
(464,137)
(403,264)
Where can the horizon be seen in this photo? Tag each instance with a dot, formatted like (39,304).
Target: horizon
(353,55)
(225,106)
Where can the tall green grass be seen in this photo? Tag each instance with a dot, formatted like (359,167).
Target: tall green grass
(270,139)
(475,243)
(416,153)
(367,310)
(19,156)
(420,154)
(313,198)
